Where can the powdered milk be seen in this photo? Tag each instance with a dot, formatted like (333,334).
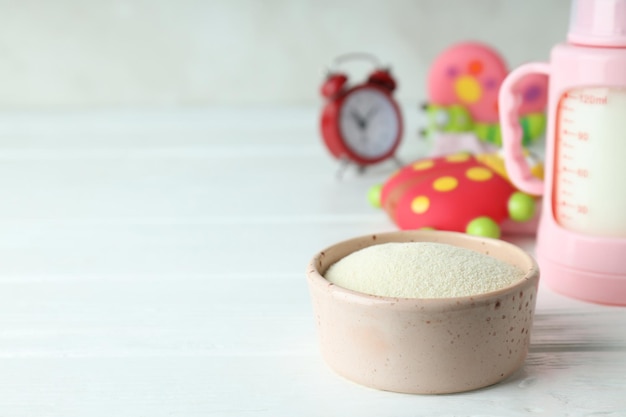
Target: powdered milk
(421,270)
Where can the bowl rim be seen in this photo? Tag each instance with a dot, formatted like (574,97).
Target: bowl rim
(316,279)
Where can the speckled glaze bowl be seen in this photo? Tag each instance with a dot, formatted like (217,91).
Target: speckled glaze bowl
(424,346)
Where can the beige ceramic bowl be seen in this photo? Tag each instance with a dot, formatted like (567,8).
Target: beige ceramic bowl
(424,346)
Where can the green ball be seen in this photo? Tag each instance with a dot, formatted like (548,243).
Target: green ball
(521,207)
(483,226)
(373,195)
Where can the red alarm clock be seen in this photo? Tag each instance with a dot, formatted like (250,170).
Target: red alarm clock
(362,123)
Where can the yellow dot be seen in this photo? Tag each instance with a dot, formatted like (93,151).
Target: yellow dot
(458,157)
(423,165)
(537,171)
(445,184)
(468,89)
(420,204)
(479,174)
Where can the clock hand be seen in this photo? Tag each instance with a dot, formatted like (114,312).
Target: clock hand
(368,116)
(357,118)
(371,112)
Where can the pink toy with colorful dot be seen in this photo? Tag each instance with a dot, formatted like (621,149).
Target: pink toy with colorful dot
(470,74)
(463,86)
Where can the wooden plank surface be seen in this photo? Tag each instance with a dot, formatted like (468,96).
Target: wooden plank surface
(152,264)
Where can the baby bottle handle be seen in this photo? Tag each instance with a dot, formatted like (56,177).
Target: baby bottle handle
(512,134)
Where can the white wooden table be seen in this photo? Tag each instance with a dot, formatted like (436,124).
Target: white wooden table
(152,264)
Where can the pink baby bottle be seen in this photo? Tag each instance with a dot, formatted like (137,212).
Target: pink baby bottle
(581,240)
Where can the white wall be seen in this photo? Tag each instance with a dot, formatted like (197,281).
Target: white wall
(102,53)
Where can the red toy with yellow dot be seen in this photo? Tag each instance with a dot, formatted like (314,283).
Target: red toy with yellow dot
(458,192)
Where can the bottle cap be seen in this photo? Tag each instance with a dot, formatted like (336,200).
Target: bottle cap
(598,23)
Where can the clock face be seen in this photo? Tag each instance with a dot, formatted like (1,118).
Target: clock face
(369,123)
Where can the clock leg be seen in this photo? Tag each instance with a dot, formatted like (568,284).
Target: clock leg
(343,165)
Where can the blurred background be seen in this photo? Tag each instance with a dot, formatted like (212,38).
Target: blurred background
(75,54)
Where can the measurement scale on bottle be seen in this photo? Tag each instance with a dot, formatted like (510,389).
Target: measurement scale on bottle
(591,161)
